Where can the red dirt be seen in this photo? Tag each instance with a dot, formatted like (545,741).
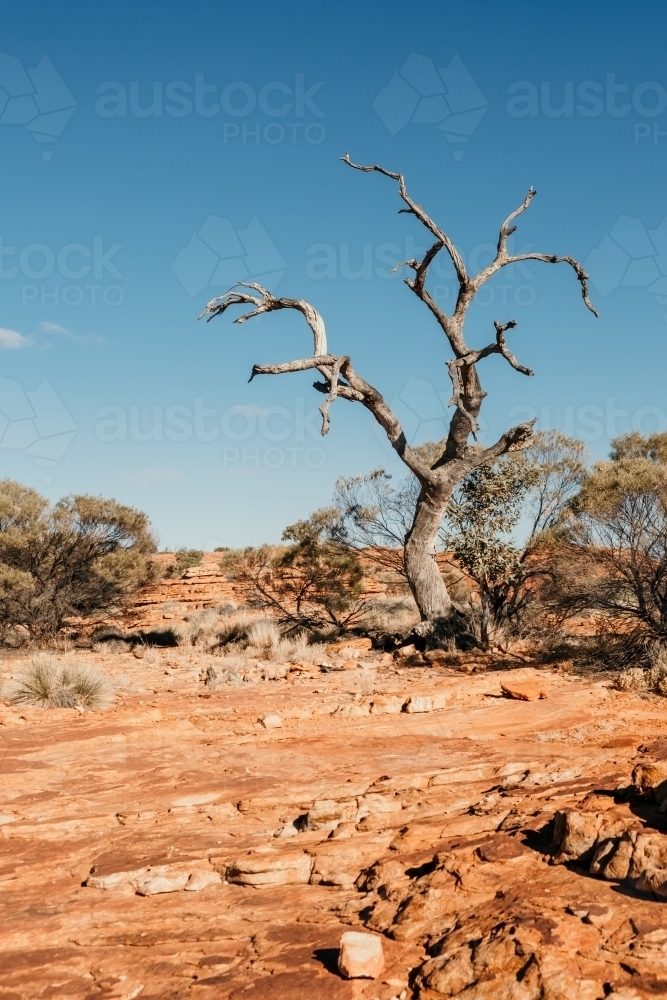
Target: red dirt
(455,835)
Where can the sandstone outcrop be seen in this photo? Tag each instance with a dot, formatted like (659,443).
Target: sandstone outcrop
(496,848)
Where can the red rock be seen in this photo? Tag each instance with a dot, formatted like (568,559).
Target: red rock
(361,955)
(448,815)
(526,690)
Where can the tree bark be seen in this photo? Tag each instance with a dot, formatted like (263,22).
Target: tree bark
(435,606)
(421,569)
(485,620)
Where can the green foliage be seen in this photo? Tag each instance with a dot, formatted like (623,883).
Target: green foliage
(78,557)
(484,511)
(617,535)
(313,583)
(185,558)
(503,521)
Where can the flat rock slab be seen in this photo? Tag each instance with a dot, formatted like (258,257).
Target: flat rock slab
(269,869)
(526,690)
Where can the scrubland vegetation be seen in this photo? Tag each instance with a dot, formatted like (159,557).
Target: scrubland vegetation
(538,547)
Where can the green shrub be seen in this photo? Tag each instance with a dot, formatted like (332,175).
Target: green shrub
(185,558)
(79,557)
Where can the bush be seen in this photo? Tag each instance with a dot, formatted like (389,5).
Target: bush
(46,685)
(185,558)
(314,583)
(73,559)
(614,568)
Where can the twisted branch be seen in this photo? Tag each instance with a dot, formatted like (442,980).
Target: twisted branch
(414,209)
(265,302)
(468,286)
(471,358)
(503,258)
(333,392)
(330,366)
(467,393)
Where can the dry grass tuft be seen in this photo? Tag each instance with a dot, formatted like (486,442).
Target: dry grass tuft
(264,639)
(651,681)
(47,685)
(366,680)
(391,615)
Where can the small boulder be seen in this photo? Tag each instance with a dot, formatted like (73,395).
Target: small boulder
(526,690)
(650,779)
(388,706)
(326,814)
(575,834)
(424,703)
(653,880)
(271,721)
(351,710)
(405,652)
(360,956)
(163,883)
(288,830)
(202,880)
(220,811)
(266,869)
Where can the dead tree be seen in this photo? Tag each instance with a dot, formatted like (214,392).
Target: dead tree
(341,381)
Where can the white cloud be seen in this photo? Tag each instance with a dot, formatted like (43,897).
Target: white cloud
(53,328)
(47,327)
(11,339)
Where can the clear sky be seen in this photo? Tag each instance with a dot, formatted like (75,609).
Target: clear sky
(162,151)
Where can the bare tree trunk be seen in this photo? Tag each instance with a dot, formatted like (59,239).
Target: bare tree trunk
(426,582)
(438,614)
(486,617)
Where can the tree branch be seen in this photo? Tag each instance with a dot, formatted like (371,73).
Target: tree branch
(500,347)
(414,209)
(265,302)
(330,366)
(333,392)
(504,258)
(515,439)
(507,228)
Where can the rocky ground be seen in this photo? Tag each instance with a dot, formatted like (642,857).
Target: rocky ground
(216,840)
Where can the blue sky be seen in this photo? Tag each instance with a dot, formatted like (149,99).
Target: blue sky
(160,150)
